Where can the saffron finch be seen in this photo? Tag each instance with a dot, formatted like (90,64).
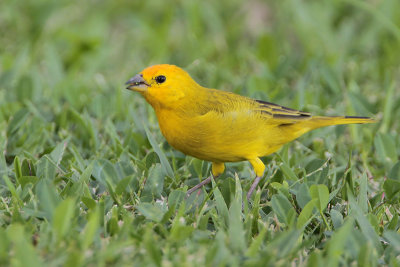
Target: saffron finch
(220,126)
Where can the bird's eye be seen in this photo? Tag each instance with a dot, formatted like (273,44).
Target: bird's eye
(160,79)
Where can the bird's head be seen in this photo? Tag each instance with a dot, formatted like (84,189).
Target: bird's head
(162,85)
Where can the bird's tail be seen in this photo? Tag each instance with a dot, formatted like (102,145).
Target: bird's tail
(319,121)
(302,127)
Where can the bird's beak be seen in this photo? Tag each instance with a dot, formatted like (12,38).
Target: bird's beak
(137,83)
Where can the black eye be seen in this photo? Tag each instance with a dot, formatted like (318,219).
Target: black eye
(160,79)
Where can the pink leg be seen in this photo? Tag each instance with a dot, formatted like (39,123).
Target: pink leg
(198,186)
(253,187)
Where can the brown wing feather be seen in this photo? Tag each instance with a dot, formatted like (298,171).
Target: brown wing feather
(275,111)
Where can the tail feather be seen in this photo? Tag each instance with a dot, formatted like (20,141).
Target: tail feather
(295,130)
(319,121)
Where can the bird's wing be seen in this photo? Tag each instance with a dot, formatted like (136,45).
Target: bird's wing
(228,104)
(280,113)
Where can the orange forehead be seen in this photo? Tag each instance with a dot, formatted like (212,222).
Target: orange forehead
(161,69)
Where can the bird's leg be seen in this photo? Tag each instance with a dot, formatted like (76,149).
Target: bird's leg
(216,170)
(253,187)
(199,185)
(259,168)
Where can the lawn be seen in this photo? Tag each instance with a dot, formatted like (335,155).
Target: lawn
(87,179)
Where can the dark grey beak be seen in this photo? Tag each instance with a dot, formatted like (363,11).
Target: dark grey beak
(137,83)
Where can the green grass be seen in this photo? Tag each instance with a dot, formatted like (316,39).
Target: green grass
(86,178)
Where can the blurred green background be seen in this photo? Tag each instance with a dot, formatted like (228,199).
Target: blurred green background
(86,177)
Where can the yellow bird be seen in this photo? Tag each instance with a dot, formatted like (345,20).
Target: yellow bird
(220,126)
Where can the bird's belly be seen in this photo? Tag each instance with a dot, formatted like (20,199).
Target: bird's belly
(215,143)
(210,148)
(208,151)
